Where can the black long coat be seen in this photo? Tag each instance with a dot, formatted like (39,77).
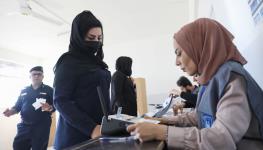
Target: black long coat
(77,101)
(123,94)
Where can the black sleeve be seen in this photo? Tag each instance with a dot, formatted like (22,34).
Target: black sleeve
(19,102)
(190,99)
(64,84)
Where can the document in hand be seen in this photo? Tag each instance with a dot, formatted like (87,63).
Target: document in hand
(38,102)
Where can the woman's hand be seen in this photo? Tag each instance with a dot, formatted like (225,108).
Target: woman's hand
(96,132)
(145,131)
(175,92)
(178,108)
(162,120)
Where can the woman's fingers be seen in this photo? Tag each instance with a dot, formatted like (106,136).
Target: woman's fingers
(131,128)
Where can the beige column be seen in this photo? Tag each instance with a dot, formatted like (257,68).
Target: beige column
(52,130)
(141,96)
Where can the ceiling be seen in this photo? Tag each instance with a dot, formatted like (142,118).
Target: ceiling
(123,21)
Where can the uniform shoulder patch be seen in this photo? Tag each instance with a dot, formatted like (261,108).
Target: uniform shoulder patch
(23,94)
(43,93)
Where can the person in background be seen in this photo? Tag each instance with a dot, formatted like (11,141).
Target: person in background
(35,107)
(188,92)
(123,89)
(78,73)
(229,112)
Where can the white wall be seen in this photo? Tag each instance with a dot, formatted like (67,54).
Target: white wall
(249,37)
(154,60)
(235,15)
(19,57)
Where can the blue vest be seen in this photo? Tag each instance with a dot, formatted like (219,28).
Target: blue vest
(211,93)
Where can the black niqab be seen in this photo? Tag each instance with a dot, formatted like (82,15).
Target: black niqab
(79,48)
(124,64)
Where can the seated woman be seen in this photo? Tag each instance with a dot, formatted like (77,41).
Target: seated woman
(228,111)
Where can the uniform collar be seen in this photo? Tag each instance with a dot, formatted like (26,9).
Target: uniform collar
(41,86)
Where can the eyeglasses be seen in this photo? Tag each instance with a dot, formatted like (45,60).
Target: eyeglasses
(37,74)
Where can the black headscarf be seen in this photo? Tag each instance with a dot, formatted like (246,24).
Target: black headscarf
(79,48)
(124,64)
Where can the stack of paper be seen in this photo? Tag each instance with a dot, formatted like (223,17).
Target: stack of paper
(38,102)
(133,119)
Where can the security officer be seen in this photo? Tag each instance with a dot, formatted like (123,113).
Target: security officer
(35,107)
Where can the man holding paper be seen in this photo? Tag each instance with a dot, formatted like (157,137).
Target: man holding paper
(35,105)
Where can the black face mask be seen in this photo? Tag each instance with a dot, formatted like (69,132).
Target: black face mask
(93,46)
(128,72)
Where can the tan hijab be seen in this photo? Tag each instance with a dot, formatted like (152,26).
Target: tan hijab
(209,45)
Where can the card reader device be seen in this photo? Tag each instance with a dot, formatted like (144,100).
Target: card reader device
(111,126)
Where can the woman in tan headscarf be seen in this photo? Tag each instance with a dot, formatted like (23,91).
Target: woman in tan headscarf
(228,111)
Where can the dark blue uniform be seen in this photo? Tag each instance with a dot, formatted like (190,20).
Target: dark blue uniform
(76,99)
(33,131)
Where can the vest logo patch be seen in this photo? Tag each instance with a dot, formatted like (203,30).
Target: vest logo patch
(207,121)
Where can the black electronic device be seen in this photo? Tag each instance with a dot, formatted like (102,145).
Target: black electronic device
(111,126)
